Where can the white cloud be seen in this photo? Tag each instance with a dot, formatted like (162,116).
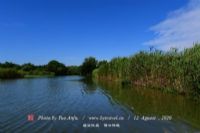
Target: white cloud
(180,29)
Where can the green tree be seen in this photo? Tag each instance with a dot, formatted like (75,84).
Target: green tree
(56,67)
(28,67)
(88,66)
(9,65)
(73,70)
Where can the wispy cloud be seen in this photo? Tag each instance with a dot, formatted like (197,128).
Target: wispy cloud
(180,29)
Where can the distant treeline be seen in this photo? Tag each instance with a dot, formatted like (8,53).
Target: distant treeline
(170,71)
(53,68)
(9,70)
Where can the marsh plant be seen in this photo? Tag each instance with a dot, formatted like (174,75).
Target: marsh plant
(171,71)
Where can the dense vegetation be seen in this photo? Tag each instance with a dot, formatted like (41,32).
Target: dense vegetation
(8,73)
(53,68)
(10,70)
(170,71)
(88,66)
(56,67)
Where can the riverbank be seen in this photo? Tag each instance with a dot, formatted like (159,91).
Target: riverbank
(171,71)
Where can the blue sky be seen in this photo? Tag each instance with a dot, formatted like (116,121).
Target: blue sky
(69,30)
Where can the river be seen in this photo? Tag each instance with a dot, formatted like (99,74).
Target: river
(73,105)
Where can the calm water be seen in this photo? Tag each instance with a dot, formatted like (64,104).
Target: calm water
(71,96)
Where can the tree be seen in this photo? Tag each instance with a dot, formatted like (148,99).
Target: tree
(57,68)
(88,66)
(28,67)
(73,70)
(9,65)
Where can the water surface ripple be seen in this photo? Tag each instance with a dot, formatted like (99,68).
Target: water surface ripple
(71,96)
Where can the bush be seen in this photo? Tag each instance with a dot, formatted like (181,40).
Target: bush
(88,66)
(73,70)
(56,67)
(9,73)
(28,67)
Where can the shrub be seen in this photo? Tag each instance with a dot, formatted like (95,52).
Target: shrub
(88,66)
(9,73)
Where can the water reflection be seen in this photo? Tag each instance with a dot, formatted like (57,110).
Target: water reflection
(88,86)
(144,101)
(73,95)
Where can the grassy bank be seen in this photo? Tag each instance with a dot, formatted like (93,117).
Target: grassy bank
(170,71)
